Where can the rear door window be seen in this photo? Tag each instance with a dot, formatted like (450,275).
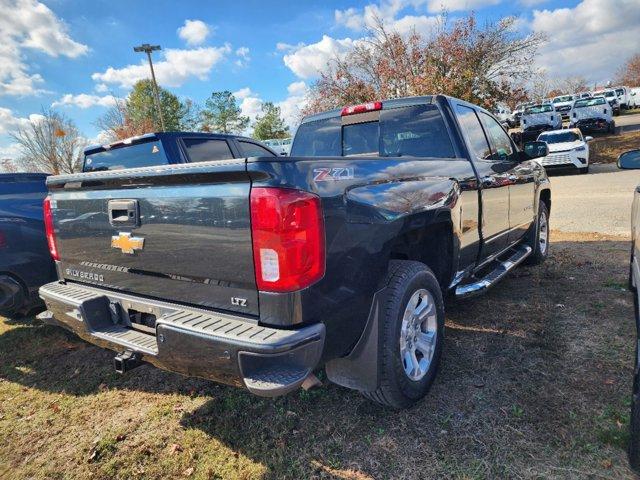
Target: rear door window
(500,142)
(470,123)
(250,149)
(129,156)
(206,149)
(415,131)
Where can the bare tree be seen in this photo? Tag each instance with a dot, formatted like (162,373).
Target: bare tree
(50,143)
(629,73)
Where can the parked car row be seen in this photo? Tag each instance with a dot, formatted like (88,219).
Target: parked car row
(618,98)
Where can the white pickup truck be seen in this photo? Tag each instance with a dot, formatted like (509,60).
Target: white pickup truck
(592,115)
(563,104)
(539,118)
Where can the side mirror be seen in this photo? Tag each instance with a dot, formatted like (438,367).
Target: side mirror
(536,149)
(629,160)
(588,139)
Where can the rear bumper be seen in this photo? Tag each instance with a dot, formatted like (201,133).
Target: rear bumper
(592,125)
(225,348)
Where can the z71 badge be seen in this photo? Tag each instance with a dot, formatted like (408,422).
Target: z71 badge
(332,174)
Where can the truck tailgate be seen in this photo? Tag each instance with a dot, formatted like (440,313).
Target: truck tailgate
(175,232)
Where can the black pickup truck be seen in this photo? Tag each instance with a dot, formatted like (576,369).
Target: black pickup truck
(256,271)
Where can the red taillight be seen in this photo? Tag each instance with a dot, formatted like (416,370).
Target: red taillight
(364,107)
(288,238)
(48,228)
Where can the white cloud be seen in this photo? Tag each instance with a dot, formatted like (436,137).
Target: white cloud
(388,11)
(194,32)
(592,39)
(30,25)
(532,3)
(437,6)
(292,106)
(175,69)
(9,122)
(11,151)
(101,88)
(307,61)
(250,104)
(243,93)
(84,100)
(243,57)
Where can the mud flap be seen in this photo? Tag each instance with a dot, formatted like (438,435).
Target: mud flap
(359,369)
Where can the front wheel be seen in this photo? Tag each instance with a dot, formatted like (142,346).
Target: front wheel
(412,329)
(539,240)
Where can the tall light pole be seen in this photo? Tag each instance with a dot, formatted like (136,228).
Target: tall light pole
(146,48)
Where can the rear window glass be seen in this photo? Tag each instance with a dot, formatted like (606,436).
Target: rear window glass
(129,156)
(206,150)
(588,102)
(539,109)
(417,131)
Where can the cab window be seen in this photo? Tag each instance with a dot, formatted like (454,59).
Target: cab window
(473,131)
(500,142)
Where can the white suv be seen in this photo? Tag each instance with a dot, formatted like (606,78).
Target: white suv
(567,148)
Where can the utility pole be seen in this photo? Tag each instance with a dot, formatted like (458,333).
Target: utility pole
(146,48)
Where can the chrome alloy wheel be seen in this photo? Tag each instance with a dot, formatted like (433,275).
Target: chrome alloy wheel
(543,234)
(418,334)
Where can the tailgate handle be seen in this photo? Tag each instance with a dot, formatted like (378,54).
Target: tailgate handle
(123,213)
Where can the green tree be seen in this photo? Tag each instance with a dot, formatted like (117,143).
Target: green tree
(270,124)
(222,114)
(137,114)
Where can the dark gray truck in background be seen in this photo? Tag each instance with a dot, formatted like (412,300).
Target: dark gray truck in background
(204,255)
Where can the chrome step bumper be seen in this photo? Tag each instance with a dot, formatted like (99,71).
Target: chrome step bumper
(226,348)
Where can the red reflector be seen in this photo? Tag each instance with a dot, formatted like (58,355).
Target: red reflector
(364,107)
(288,238)
(48,228)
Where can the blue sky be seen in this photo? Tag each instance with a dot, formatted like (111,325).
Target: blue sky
(74,55)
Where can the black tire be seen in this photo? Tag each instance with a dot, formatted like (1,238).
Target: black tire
(612,128)
(538,255)
(584,170)
(396,389)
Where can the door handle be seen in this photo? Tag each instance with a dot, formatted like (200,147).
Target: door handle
(123,213)
(487,181)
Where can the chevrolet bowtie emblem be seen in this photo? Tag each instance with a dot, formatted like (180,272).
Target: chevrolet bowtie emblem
(125,242)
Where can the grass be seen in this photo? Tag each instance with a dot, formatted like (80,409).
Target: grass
(606,149)
(535,383)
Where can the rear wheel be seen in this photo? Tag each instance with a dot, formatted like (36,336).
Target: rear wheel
(412,335)
(539,238)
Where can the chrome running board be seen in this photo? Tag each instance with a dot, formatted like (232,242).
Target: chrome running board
(480,285)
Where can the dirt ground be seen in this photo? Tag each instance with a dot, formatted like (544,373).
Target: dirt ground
(606,149)
(535,383)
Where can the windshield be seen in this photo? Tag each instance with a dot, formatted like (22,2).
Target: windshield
(609,93)
(589,102)
(417,131)
(128,156)
(561,137)
(564,98)
(539,109)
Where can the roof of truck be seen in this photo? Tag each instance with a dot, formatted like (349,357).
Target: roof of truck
(160,135)
(394,102)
